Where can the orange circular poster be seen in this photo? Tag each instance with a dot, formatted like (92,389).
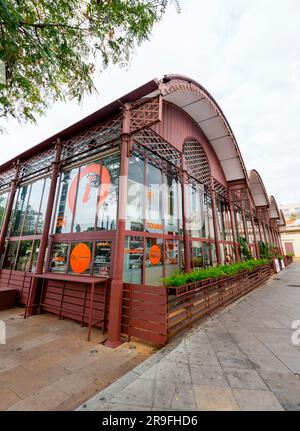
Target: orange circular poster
(154,254)
(80,258)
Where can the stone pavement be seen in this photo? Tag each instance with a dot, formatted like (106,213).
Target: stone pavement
(241,359)
(47,364)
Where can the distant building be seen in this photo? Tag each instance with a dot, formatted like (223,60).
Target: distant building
(290,234)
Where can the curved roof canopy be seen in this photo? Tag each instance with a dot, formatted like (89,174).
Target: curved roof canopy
(190,96)
(274,211)
(257,189)
(281,221)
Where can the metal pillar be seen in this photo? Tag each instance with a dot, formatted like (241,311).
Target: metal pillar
(9,206)
(215,223)
(233,228)
(186,243)
(116,289)
(44,239)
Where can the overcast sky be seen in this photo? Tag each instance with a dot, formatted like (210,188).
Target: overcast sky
(245,53)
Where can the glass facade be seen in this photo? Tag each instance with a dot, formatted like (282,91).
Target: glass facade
(88,197)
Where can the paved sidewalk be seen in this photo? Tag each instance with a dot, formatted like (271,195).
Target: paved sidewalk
(242,359)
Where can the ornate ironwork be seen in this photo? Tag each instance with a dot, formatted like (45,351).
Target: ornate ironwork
(6,178)
(145,114)
(37,165)
(220,189)
(157,145)
(197,162)
(101,137)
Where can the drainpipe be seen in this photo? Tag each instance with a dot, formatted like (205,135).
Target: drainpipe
(116,289)
(44,240)
(9,206)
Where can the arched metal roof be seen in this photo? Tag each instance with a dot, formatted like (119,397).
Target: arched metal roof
(190,96)
(281,221)
(274,211)
(258,189)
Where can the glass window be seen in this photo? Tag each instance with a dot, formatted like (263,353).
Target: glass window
(154,261)
(24,255)
(43,207)
(239,223)
(102,259)
(193,210)
(171,204)
(80,258)
(154,221)
(66,202)
(33,208)
(59,257)
(135,194)
(89,192)
(20,209)
(172,257)
(35,252)
(249,229)
(210,217)
(3,201)
(201,254)
(133,260)
(108,196)
(10,255)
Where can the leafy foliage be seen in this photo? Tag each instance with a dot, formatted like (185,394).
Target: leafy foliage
(50,48)
(213,273)
(244,249)
(264,250)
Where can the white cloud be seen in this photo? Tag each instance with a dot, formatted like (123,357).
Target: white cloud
(246,53)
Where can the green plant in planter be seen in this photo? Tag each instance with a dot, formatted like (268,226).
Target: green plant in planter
(290,255)
(244,248)
(280,257)
(215,273)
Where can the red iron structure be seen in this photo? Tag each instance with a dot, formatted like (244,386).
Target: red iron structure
(151,184)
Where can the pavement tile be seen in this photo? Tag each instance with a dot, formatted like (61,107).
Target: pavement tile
(244,379)
(210,376)
(138,393)
(253,400)
(215,399)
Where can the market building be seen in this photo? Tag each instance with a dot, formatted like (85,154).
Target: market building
(151,184)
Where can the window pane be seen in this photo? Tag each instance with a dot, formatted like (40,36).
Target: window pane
(154,261)
(89,191)
(24,253)
(3,201)
(66,202)
(32,212)
(101,264)
(20,209)
(35,252)
(80,258)
(108,197)
(43,208)
(10,255)
(135,194)
(133,260)
(201,254)
(172,257)
(171,204)
(59,257)
(154,200)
